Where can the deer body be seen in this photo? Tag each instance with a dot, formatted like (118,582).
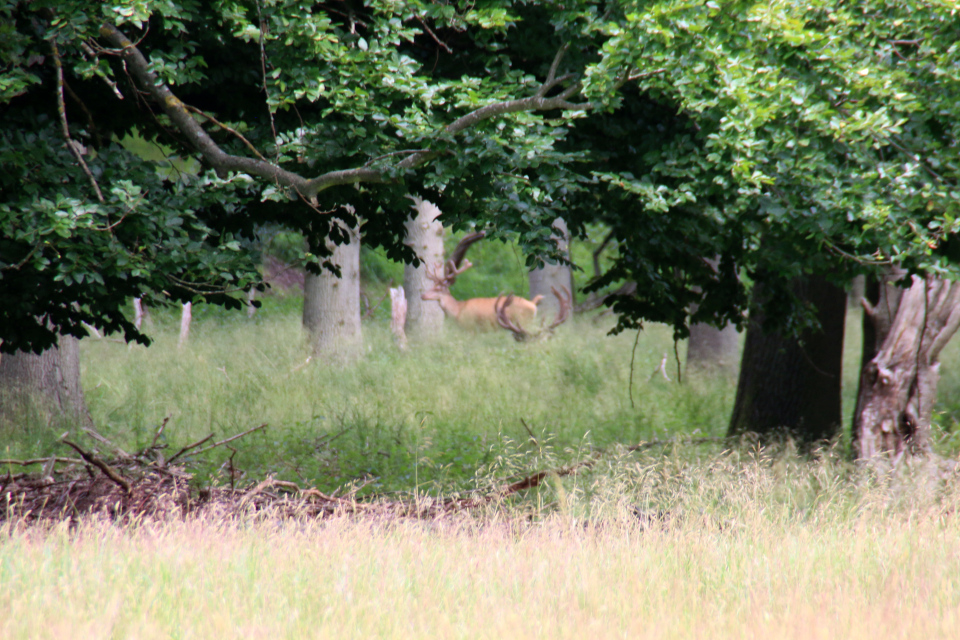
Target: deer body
(480,314)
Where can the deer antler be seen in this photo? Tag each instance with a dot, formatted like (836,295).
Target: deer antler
(500,306)
(566,304)
(564,298)
(457,256)
(450,273)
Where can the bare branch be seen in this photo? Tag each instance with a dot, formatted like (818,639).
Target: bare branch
(223,162)
(100,464)
(62,111)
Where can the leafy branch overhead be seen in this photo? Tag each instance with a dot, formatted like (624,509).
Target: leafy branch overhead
(308,188)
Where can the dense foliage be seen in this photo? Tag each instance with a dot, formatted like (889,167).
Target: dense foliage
(782,138)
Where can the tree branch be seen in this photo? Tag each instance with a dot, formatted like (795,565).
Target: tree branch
(62,111)
(223,162)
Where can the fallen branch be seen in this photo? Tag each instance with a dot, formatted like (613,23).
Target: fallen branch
(99,464)
(231,438)
(27,463)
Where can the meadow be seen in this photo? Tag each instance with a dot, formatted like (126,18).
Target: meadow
(685,537)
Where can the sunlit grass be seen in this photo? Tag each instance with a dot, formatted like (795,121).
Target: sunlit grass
(766,546)
(430,418)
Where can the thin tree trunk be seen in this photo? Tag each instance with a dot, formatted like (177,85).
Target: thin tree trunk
(186,319)
(398,317)
(789,386)
(425,236)
(904,332)
(331,305)
(551,275)
(44,387)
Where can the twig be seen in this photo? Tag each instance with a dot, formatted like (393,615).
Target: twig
(434,36)
(230,439)
(26,463)
(188,447)
(658,443)
(532,437)
(159,432)
(104,441)
(633,354)
(62,111)
(100,464)
(370,311)
(227,128)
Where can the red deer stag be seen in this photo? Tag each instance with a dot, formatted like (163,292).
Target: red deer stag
(476,313)
(503,307)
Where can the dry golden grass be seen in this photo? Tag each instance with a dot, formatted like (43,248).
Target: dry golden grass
(762,547)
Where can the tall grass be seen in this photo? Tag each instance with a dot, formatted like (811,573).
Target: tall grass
(765,546)
(429,418)
(434,419)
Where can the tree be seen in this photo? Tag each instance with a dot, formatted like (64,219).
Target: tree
(790,385)
(43,388)
(827,131)
(552,275)
(425,237)
(905,330)
(331,300)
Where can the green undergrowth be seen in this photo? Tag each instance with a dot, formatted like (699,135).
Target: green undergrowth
(430,419)
(462,413)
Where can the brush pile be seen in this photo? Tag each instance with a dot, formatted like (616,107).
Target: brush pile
(127,487)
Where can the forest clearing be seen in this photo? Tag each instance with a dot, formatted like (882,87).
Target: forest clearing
(686,537)
(696,377)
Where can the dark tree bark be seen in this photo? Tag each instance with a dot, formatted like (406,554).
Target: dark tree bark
(44,387)
(904,332)
(791,386)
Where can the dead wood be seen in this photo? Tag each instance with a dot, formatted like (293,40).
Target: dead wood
(129,489)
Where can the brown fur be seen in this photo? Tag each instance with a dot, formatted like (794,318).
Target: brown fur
(480,314)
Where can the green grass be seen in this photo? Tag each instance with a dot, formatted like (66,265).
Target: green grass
(443,417)
(432,418)
(674,541)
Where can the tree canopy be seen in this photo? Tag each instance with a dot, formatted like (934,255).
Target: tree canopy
(780,138)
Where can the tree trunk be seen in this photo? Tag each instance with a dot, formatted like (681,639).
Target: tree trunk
(789,386)
(904,332)
(44,388)
(709,349)
(186,319)
(425,235)
(712,350)
(552,275)
(331,305)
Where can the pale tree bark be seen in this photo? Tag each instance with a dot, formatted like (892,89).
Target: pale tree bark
(331,305)
(550,275)
(425,236)
(710,349)
(905,331)
(44,388)
(186,319)
(398,317)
